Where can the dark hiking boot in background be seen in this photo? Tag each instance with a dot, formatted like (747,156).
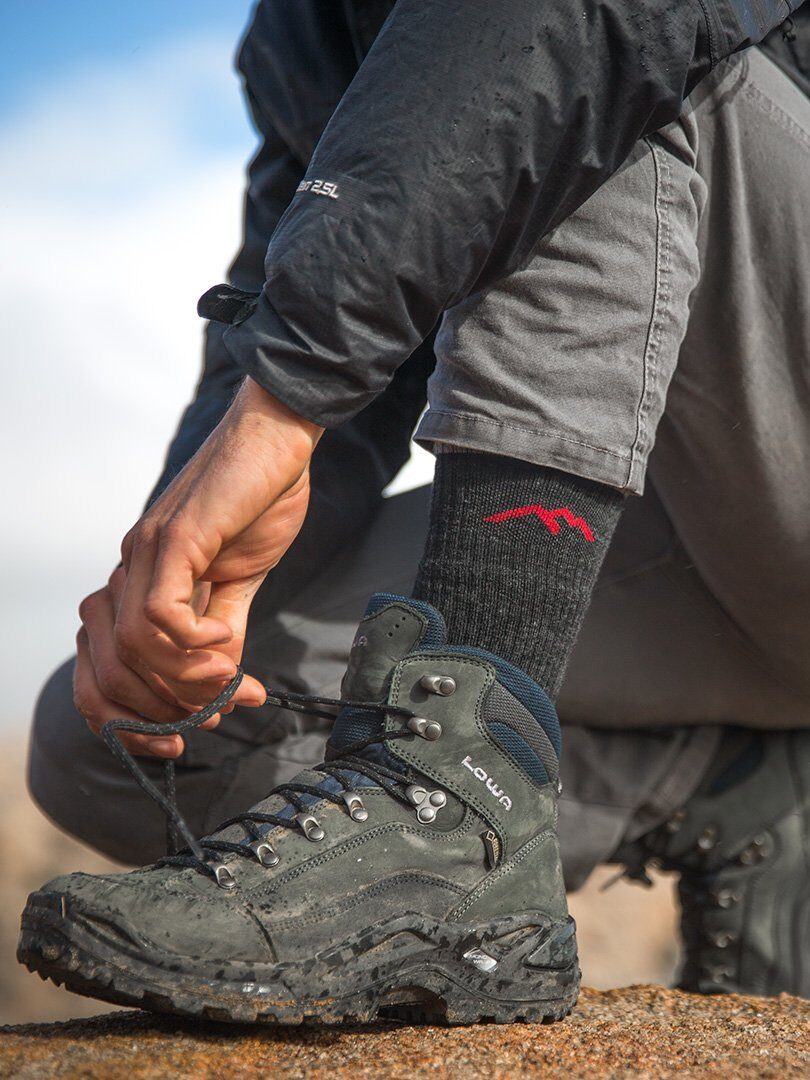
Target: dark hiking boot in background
(415,874)
(742,847)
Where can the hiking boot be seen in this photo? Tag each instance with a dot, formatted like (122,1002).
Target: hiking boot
(741,845)
(416,873)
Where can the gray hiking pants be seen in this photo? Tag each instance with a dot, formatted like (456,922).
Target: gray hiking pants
(675,301)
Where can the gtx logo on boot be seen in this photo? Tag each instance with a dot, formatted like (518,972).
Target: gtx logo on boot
(492,787)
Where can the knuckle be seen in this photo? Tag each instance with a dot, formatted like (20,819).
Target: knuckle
(171,531)
(126,640)
(155,609)
(116,579)
(139,537)
(84,706)
(88,606)
(146,533)
(126,548)
(111,680)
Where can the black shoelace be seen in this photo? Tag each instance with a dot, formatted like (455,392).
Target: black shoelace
(205,854)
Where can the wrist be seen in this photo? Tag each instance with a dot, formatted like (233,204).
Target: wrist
(257,410)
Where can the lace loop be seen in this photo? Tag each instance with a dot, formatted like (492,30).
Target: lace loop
(175,822)
(342,768)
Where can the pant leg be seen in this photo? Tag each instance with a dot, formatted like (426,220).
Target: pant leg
(710,623)
(733,456)
(566,362)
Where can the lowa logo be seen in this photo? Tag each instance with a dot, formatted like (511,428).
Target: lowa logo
(492,787)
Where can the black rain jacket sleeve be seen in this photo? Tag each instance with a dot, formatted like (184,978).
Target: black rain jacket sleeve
(292,90)
(471,129)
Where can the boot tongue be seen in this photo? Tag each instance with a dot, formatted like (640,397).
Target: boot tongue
(392,627)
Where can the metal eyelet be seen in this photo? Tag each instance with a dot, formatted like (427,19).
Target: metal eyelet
(354,804)
(310,827)
(708,838)
(443,685)
(719,974)
(756,851)
(428,729)
(427,803)
(674,823)
(264,852)
(721,939)
(224,877)
(725,898)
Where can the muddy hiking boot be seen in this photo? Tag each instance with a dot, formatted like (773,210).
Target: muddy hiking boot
(416,873)
(741,845)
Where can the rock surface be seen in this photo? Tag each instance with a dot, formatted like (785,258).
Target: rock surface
(642,1032)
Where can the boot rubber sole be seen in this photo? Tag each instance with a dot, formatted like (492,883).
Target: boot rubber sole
(518,968)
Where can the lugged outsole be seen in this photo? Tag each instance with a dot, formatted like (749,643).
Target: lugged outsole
(424,994)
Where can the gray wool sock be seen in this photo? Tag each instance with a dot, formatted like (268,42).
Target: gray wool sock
(512,555)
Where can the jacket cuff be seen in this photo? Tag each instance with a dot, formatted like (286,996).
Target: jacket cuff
(288,367)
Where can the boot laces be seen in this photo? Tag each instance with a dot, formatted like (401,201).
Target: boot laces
(343,768)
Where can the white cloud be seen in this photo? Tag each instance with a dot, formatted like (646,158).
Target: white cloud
(114,218)
(118,132)
(115,215)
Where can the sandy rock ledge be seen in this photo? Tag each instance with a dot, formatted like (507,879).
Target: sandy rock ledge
(642,1031)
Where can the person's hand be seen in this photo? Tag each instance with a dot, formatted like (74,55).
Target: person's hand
(195,560)
(104,688)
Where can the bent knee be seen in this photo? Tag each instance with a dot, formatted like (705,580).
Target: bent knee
(72,776)
(56,730)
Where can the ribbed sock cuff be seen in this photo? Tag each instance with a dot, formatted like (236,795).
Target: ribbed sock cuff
(512,555)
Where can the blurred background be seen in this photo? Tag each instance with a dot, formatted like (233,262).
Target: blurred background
(123,141)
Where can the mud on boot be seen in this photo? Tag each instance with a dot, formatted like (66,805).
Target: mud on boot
(414,873)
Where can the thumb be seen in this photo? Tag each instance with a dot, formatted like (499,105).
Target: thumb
(229,603)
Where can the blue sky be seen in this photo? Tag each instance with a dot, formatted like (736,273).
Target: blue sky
(123,143)
(43,42)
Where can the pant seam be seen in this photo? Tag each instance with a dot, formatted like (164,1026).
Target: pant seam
(451,413)
(776,113)
(710,32)
(660,304)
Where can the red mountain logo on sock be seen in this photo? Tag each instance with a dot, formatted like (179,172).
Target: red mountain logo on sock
(550,518)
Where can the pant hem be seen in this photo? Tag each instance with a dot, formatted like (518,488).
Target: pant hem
(538,447)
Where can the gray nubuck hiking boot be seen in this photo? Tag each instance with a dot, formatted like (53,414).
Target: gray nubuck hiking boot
(742,847)
(415,873)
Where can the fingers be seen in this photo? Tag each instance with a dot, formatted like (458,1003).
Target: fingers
(161,576)
(106,688)
(230,602)
(97,709)
(164,607)
(194,676)
(133,686)
(144,695)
